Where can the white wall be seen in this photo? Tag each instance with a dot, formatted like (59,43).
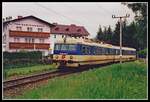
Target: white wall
(35,24)
(31,23)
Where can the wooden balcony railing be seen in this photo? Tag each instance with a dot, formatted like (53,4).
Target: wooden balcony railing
(14,45)
(13,33)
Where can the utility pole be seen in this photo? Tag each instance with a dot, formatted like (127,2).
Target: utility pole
(120,20)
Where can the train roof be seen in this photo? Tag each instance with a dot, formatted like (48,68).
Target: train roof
(92,43)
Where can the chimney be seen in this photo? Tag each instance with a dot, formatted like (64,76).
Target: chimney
(72,25)
(55,23)
(20,17)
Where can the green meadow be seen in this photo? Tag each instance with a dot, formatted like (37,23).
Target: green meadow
(128,81)
(23,71)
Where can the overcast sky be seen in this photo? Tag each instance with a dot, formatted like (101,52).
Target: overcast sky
(87,14)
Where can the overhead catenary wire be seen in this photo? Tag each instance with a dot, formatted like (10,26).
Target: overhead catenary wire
(88,24)
(66,17)
(104,9)
(59,14)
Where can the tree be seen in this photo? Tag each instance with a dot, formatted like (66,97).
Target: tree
(105,34)
(140,9)
(99,35)
(109,34)
(116,34)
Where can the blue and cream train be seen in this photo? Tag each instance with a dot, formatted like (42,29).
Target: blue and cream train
(78,52)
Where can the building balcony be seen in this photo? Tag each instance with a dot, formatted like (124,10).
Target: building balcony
(16,45)
(13,33)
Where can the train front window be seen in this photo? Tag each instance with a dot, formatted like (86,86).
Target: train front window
(65,47)
(57,47)
(72,47)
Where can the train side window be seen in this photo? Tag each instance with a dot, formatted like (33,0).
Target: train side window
(126,52)
(106,51)
(114,51)
(83,50)
(110,51)
(87,50)
(129,52)
(134,52)
(94,50)
(99,50)
(103,50)
(123,52)
(117,51)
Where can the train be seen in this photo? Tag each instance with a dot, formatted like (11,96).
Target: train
(74,53)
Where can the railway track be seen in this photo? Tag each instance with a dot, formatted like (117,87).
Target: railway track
(43,76)
(33,78)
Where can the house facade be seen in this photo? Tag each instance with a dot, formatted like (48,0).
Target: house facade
(27,33)
(60,32)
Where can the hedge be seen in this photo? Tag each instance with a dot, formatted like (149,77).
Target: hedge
(13,59)
(142,53)
(22,55)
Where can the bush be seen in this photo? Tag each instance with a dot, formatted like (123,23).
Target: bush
(22,55)
(142,53)
(19,59)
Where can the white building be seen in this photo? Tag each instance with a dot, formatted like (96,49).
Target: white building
(59,32)
(26,33)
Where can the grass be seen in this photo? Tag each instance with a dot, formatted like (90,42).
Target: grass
(27,70)
(109,82)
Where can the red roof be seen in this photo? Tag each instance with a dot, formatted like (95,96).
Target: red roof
(69,30)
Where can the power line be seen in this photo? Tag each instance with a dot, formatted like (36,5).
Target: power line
(104,9)
(49,9)
(70,7)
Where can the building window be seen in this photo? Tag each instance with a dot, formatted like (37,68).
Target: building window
(67,29)
(4,39)
(16,39)
(29,40)
(41,40)
(26,40)
(29,29)
(32,40)
(57,28)
(54,36)
(18,28)
(40,30)
(62,36)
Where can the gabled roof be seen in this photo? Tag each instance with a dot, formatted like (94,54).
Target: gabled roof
(29,17)
(69,30)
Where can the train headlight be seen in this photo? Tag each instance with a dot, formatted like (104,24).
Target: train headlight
(56,57)
(63,56)
(71,57)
